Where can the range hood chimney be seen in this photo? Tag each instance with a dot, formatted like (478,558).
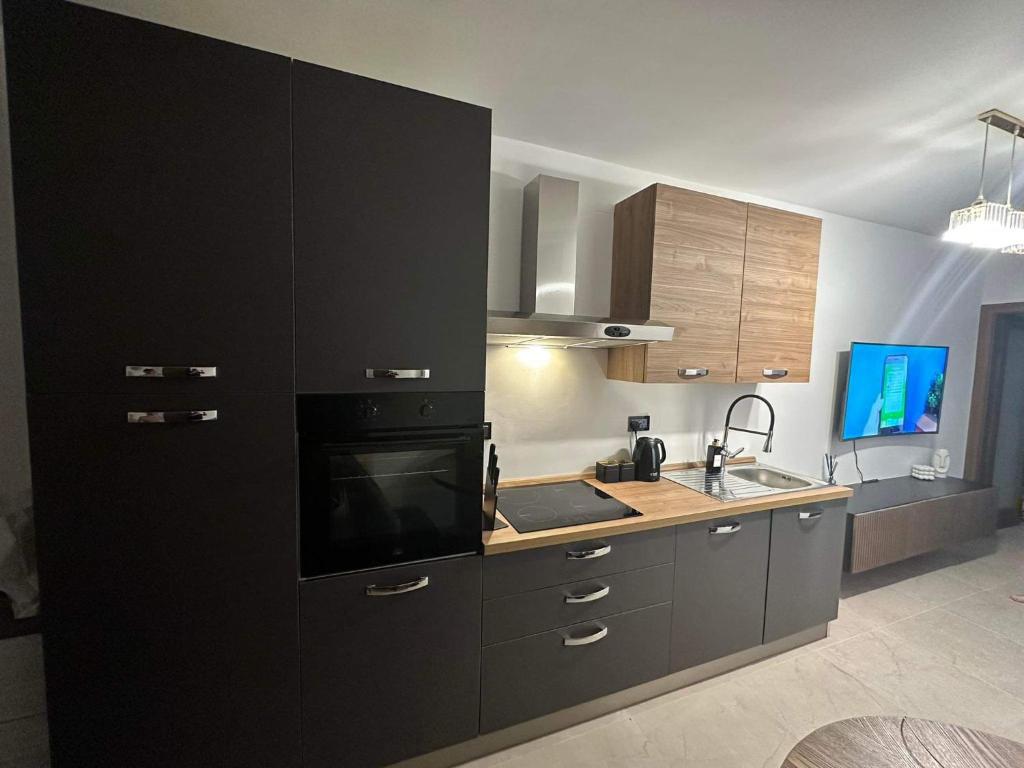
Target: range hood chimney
(547,293)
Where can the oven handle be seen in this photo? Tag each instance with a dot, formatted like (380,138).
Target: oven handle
(436,441)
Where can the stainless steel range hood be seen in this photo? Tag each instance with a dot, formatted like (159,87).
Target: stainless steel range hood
(548,283)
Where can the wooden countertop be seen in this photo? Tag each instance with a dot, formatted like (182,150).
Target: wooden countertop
(661,504)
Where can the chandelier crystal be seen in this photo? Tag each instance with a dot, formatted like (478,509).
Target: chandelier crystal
(986,224)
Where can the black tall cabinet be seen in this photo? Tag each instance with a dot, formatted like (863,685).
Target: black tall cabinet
(152,188)
(391,209)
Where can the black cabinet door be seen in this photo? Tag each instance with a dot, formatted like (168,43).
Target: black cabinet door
(805,568)
(391,207)
(153,203)
(394,674)
(721,573)
(167,558)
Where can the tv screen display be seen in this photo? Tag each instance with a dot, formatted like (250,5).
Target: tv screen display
(893,389)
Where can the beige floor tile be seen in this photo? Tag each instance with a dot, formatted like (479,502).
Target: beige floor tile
(614,741)
(755,720)
(21,678)
(885,605)
(935,587)
(990,570)
(23,743)
(923,684)
(968,647)
(994,610)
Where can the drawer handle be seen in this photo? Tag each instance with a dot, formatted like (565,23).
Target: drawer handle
(692,373)
(170,417)
(586,640)
(398,373)
(588,554)
(810,515)
(375,590)
(720,529)
(170,371)
(775,373)
(588,598)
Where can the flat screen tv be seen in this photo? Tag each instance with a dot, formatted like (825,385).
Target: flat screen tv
(893,389)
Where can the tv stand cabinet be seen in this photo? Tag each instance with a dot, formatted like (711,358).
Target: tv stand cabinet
(900,517)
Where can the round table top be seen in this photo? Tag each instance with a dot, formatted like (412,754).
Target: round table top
(896,742)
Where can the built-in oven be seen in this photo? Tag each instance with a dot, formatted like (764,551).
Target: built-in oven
(388,478)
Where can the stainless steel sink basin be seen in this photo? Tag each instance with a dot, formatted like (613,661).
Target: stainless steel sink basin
(743,481)
(769,477)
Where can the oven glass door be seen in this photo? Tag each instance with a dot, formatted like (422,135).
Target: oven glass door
(389,500)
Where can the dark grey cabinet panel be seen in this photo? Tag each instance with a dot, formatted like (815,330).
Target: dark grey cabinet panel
(718,603)
(167,557)
(152,187)
(516,572)
(805,567)
(388,677)
(506,618)
(391,209)
(526,678)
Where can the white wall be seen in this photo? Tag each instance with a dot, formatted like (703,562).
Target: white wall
(875,283)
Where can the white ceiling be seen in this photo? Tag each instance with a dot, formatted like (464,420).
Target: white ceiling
(860,107)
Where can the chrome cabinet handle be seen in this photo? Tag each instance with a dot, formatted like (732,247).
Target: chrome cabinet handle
(810,515)
(719,529)
(588,639)
(378,590)
(774,373)
(170,371)
(398,373)
(692,373)
(588,554)
(170,417)
(589,597)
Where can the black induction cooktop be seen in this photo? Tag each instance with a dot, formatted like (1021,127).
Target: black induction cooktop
(541,507)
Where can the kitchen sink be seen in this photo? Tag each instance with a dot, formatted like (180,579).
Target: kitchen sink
(772,478)
(745,481)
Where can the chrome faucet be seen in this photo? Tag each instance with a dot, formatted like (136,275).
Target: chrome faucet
(725,435)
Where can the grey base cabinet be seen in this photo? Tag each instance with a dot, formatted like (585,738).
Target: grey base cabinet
(718,604)
(805,568)
(391,675)
(526,678)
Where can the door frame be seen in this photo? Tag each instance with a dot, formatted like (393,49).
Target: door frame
(986,395)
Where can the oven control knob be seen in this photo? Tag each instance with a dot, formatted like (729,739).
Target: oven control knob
(427,409)
(368,410)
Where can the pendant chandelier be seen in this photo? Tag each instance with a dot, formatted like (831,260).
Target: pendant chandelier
(984,223)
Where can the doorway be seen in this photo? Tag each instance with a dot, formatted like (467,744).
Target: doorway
(995,439)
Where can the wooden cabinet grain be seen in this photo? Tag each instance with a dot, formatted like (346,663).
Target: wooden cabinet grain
(780,278)
(736,281)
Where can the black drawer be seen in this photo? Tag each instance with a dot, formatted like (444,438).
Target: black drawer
(538,568)
(528,613)
(526,678)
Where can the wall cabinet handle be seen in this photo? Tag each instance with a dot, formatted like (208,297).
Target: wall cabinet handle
(587,639)
(589,597)
(692,373)
(170,417)
(385,590)
(588,554)
(170,371)
(774,373)
(810,515)
(398,373)
(720,529)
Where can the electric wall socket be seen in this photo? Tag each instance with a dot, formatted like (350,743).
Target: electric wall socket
(639,423)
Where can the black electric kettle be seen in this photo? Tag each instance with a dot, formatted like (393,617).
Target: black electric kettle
(648,456)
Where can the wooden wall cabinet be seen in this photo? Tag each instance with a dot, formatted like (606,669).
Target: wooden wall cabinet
(737,281)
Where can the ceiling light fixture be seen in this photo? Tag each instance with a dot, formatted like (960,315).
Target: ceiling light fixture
(985,224)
